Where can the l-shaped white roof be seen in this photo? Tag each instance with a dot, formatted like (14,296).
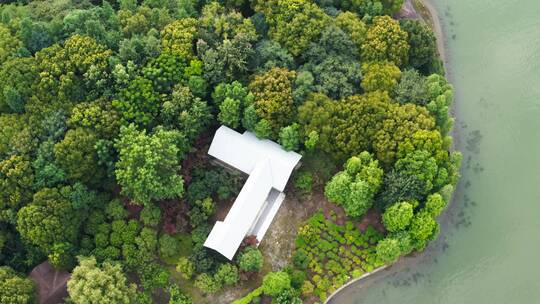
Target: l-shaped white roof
(244,151)
(268,166)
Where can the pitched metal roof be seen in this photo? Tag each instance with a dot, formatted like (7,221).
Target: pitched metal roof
(269,167)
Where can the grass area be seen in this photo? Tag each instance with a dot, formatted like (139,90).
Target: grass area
(186,247)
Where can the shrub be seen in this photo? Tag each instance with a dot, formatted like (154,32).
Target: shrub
(150,215)
(206,283)
(185,267)
(301,259)
(169,246)
(251,260)
(153,275)
(115,210)
(176,296)
(227,274)
(307,288)
(297,278)
(202,259)
(388,250)
(287,296)
(276,282)
(304,182)
(201,211)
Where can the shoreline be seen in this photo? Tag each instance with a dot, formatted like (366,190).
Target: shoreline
(429,14)
(435,23)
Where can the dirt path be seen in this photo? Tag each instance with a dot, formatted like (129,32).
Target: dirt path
(278,243)
(407,11)
(436,26)
(423,9)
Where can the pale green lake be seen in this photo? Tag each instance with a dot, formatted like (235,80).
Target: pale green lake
(489,247)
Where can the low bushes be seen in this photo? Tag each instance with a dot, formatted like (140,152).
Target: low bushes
(332,254)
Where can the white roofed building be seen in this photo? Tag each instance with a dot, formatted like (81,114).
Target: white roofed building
(269,167)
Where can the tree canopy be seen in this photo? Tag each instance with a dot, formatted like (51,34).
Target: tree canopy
(107,110)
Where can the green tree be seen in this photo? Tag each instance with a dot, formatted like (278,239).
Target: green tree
(351,24)
(441,97)
(357,120)
(138,103)
(263,129)
(49,219)
(15,136)
(429,141)
(398,216)
(386,40)
(402,121)
(289,137)
(423,229)
(412,88)
(14,288)
(276,282)
(217,24)
(250,260)
(422,42)
(293,23)
(435,204)
(150,215)
(92,283)
(74,71)
(148,165)
(178,37)
(230,113)
(185,112)
(315,116)
(269,54)
(17,76)
(201,211)
(399,187)
(9,44)
(364,8)
(16,181)
(185,267)
(388,250)
(333,62)
(226,43)
(382,76)
(355,187)
(421,165)
(62,256)
(77,156)
(168,246)
(98,116)
(272,92)
(392,6)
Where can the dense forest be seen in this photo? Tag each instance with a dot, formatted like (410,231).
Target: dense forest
(107,110)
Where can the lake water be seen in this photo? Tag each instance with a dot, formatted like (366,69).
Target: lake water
(490,245)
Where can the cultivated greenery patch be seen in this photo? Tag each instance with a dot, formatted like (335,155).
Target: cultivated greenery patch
(332,254)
